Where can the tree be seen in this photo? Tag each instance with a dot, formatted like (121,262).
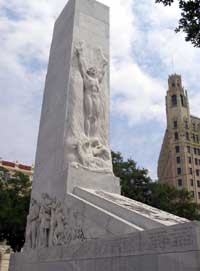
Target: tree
(135,181)
(172,200)
(190,19)
(14,205)
(137,185)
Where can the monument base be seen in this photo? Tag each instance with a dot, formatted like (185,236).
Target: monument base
(174,248)
(91,179)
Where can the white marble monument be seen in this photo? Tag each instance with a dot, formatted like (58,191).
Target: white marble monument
(73,142)
(78,221)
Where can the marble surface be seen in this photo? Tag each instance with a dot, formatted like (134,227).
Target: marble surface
(74,126)
(140,208)
(174,248)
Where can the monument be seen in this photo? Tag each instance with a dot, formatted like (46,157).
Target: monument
(77,219)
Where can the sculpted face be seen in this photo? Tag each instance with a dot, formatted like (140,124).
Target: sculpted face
(92,72)
(46,198)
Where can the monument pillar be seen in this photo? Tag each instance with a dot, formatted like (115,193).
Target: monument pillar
(73,142)
(77,219)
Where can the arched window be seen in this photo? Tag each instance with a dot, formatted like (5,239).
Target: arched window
(174,100)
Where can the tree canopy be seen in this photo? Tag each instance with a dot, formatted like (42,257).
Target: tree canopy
(137,185)
(190,19)
(14,205)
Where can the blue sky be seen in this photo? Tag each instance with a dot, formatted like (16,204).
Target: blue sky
(144,51)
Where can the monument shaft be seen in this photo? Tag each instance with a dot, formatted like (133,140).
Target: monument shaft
(75,113)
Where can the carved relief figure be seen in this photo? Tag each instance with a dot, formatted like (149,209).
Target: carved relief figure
(52,222)
(59,232)
(32,225)
(45,218)
(47,225)
(92,79)
(92,154)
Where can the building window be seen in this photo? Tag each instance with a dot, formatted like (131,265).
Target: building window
(197,138)
(196,161)
(199,161)
(193,126)
(197,172)
(192,193)
(178,159)
(191,182)
(188,149)
(190,170)
(182,100)
(180,182)
(199,195)
(198,151)
(189,160)
(176,135)
(193,137)
(174,100)
(187,136)
(186,124)
(198,183)
(175,124)
(195,151)
(177,149)
(179,171)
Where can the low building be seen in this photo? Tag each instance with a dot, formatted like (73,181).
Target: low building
(179,161)
(12,168)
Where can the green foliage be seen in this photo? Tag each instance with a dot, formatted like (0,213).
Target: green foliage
(14,205)
(170,199)
(134,181)
(137,185)
(190,19)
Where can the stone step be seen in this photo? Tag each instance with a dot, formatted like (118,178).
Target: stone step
(97,222)
(136,213)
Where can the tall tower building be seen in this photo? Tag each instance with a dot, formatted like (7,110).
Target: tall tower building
(179,160)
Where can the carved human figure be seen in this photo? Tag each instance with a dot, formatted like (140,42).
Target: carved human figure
(32,229)
(92,79)
(85,153)
(94,155)
(48,226)
(45,218)
(59,233)
(52,221)
(99,150)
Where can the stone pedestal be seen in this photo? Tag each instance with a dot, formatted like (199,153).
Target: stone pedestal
(91,179)
(175,248)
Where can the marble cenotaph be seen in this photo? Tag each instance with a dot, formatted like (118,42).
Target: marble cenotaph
(78,221)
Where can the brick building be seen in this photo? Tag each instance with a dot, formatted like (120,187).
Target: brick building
(13,167)
(179,161)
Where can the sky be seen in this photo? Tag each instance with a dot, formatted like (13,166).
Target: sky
(144,51)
